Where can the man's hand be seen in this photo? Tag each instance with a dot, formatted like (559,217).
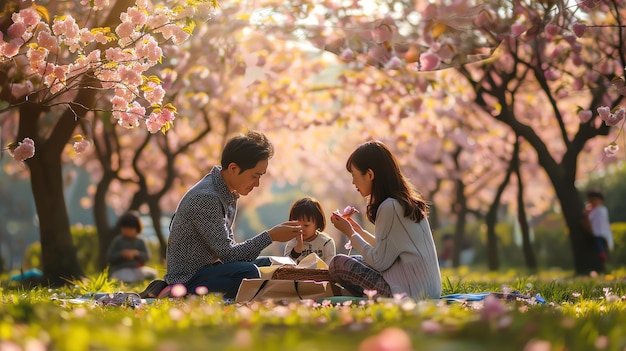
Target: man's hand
(285,231)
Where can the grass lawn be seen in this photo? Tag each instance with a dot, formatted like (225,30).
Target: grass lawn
(582,313)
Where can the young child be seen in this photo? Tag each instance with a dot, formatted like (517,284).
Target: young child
(128,253)
(309,213)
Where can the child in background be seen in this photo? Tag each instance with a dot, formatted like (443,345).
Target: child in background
(310,214)
(598,216)
(128,253)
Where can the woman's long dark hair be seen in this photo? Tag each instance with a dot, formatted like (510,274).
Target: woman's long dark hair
(388,180)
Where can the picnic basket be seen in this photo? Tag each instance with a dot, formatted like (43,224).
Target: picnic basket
(293,273)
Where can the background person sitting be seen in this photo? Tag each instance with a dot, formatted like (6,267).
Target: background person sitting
(128,254)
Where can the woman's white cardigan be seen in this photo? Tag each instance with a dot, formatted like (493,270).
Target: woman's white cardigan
(405,253)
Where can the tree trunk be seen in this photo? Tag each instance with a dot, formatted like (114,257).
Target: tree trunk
(101,218)
(59,259)
(105,143)
(156,213)
(491,219)
(527,248)
(586,258)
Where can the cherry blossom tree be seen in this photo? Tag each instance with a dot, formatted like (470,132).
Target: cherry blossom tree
(62,63)
(553,71)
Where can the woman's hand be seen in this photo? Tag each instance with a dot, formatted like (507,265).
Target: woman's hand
(343,224)
(356,226)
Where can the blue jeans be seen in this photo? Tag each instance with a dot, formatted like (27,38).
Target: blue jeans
(225,278)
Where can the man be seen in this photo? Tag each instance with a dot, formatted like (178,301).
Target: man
(202,251)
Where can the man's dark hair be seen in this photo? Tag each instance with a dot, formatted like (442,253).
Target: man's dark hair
(130,220)
(247,150)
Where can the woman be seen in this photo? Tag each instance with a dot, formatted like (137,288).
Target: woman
(400,258)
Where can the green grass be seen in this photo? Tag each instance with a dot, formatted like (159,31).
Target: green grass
(581,313)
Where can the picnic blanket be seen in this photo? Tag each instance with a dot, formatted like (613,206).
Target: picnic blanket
(130,299)
(133,300)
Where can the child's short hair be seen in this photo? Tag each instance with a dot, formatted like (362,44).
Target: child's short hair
(308,208)
(595,194)
(130,220)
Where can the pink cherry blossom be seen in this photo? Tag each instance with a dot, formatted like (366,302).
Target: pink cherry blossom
(585,116)
(492,308)
(393,63)
(382,33)
(431,327)
(429,61)
(604,112)
(154,94)
(149,49)
(81,145)
(611,150)
(10,49)
(202,290)
(185,12)
(20,89)
(538,345)
(174,32)
(577,60)
(348,245)
(100,4)
(129,75)
(178,290)
(157,20)
(19,30)
(48,41)
(370,293)
(551,74)
(125,29)
(589,3)
(552,30)
(570,38)
(24,150)
(611,119)
(134,15)
(153,124)
(65,27)
(28,16)
(579,29)
(347,55)
(517,29)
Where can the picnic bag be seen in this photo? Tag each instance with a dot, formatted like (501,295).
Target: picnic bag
(284,290)
(293,273)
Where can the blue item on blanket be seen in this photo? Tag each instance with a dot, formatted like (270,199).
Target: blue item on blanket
(29,274)
(512,296)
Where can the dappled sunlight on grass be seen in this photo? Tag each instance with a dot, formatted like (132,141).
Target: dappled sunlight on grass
(579,313)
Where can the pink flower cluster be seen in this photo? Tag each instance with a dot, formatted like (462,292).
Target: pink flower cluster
(24,150)
(611,150)
(611,118)
(81,145)
(121,68)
